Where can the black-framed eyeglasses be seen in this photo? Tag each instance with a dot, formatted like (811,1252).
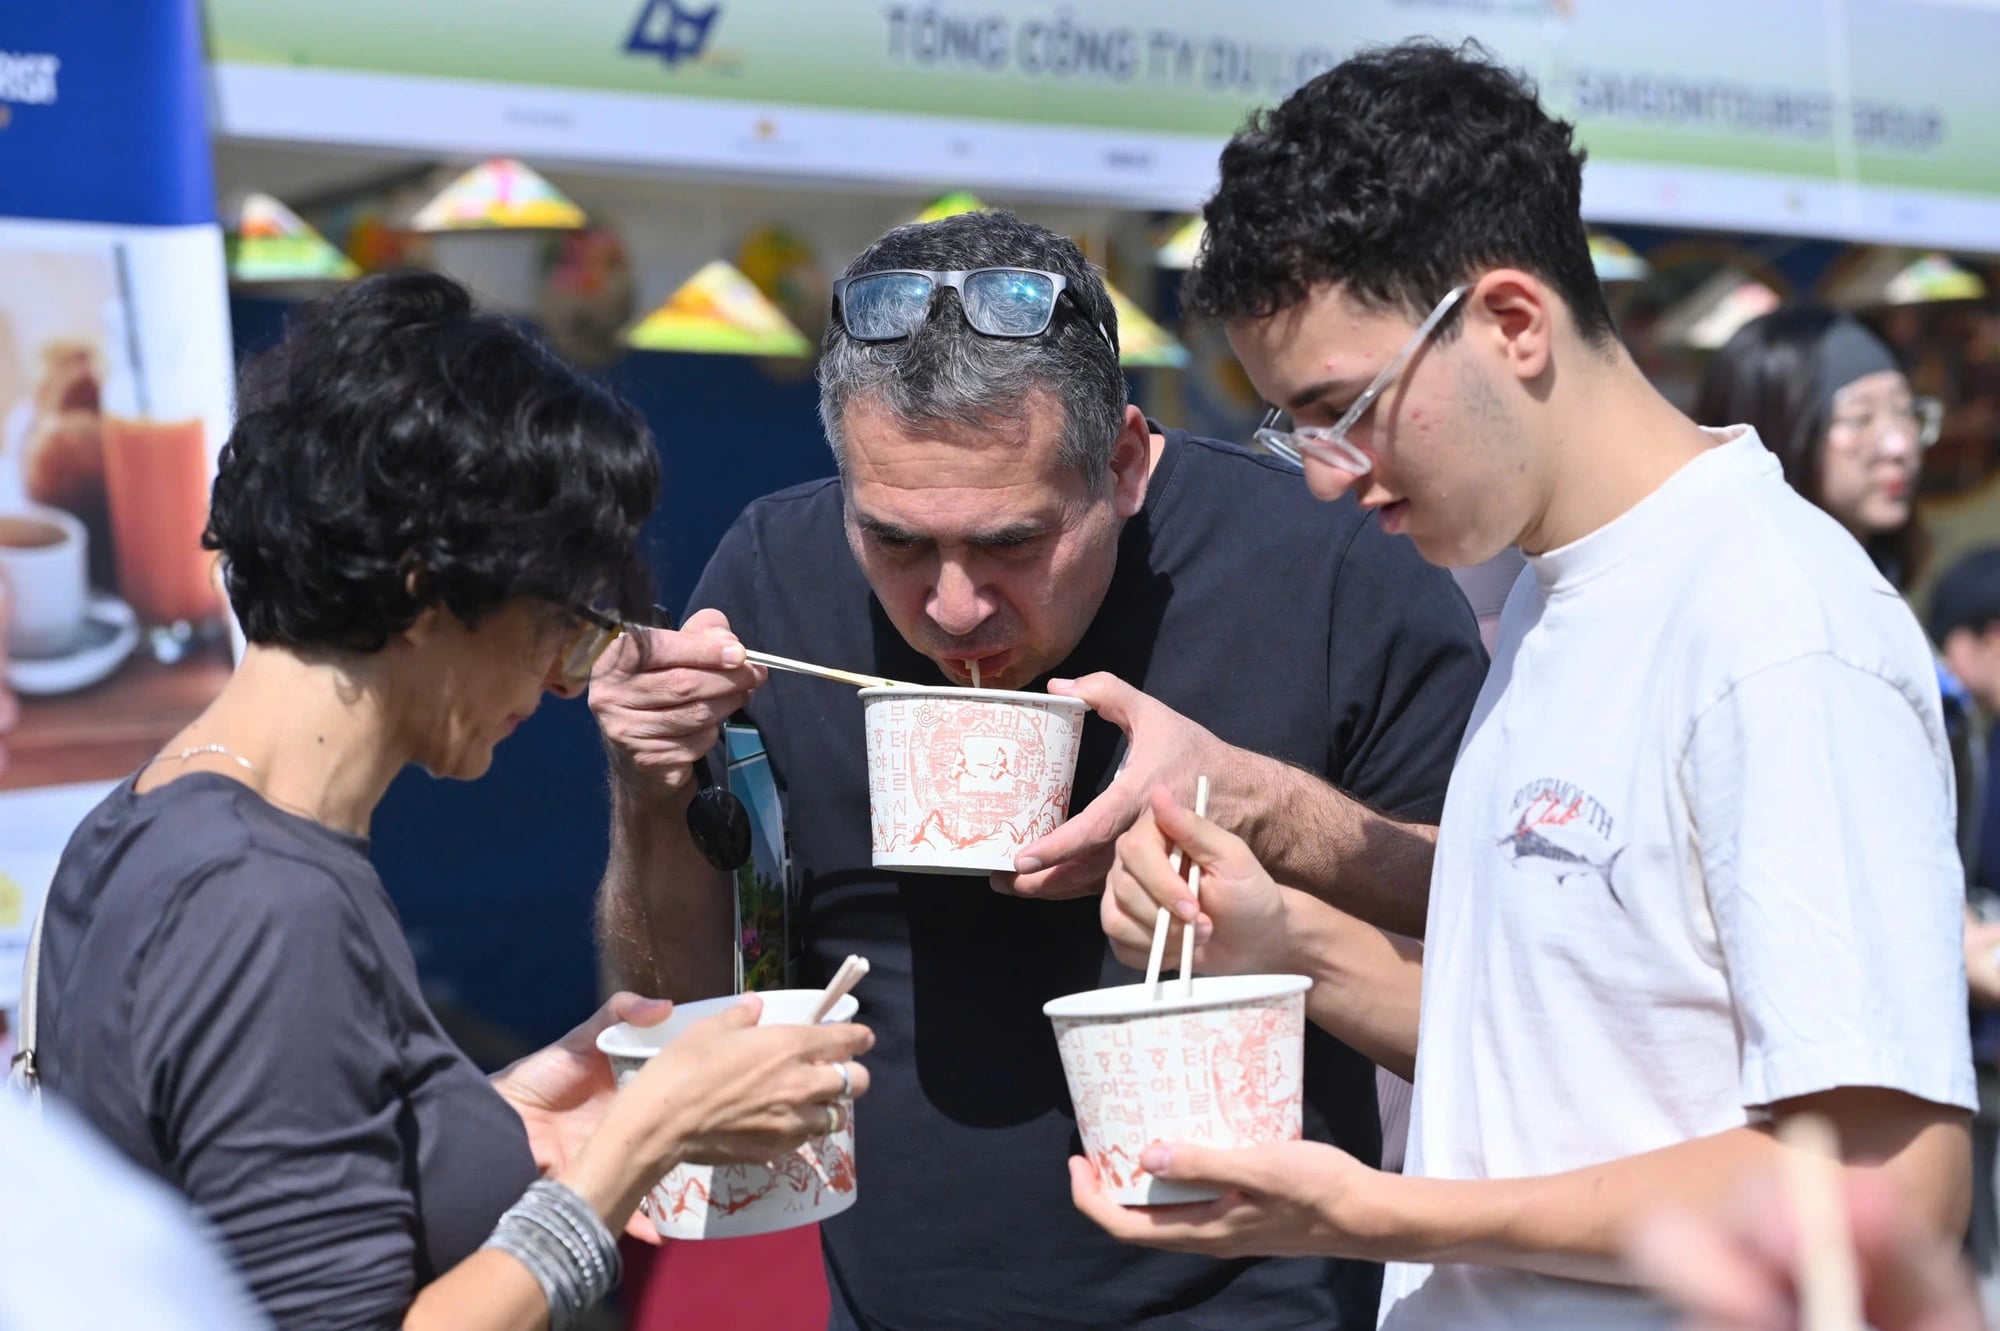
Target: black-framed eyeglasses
(716,819)
(998,302)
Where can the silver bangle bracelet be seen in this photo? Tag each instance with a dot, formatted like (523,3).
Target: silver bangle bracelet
(564,1245)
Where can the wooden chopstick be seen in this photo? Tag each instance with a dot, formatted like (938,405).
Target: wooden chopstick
(1164,918)
(1810,1169)
(825,672)
(849,975)
(1194,886)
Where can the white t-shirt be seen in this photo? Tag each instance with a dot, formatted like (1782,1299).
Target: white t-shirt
(1696,857)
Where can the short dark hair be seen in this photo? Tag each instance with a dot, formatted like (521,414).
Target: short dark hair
(946,372)
(397,450)
(1398,174)
(1766,376)
(1967,596)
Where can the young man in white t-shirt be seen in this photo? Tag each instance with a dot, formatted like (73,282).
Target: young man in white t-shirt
(1696,869)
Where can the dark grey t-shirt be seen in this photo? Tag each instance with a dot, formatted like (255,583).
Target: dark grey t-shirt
(1284,625)
(228,997)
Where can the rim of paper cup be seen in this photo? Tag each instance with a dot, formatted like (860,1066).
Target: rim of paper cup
(624,1040)
(977,695)
(1132,1000)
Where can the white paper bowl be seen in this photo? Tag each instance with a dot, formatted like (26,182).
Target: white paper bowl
(961,780)
(1224,1068)
(733,1201)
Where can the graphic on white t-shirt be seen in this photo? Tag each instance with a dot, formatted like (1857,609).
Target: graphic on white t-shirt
(1562,830)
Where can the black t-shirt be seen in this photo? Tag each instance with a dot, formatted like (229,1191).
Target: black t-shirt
(1286,626)
(226,994)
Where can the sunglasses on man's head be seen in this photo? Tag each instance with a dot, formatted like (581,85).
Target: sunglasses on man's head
(716,819)
(998,302)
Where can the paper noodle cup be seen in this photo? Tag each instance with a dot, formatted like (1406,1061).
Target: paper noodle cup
(814,1182)
(962,780)
(1224,1068)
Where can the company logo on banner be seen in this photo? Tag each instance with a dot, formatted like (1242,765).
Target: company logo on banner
(115,367)
(671,31)
(26,79)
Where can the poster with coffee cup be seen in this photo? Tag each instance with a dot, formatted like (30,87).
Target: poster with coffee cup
(115,371)
(117,629)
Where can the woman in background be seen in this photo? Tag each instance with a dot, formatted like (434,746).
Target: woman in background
(1831,400)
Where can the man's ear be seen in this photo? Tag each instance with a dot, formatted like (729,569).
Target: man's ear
(1131,463)
(1513,312)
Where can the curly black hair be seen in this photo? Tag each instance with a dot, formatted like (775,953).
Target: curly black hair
(398,450)
(1398,174)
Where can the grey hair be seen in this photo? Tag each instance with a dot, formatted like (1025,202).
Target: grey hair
(945,373)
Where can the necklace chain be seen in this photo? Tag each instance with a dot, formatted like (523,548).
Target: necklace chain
(200,749)
(225,751)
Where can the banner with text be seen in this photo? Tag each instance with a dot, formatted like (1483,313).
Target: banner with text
(1865,118)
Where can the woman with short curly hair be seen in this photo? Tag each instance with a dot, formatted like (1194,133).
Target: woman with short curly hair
(418,512)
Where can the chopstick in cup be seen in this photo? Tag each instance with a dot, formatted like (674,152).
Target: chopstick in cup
(1159,954)
(849,975)
(1194,887)
(859,681)
(1164,919)
(1811,1174)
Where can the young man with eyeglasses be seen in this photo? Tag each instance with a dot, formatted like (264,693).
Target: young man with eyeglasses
(1000,503)
(1696,871)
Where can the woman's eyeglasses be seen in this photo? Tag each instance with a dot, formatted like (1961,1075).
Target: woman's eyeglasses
(591,638)
(1921,418)
(998,302)
(716,819)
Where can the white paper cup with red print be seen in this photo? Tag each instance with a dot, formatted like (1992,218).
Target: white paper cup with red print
(813,1183)
(1224,1068)
(960,780)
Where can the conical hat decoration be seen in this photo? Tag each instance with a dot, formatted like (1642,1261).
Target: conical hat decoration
(1141,341)
(950,205)
(1880,276)
(1182,246)
(1710,315)
(498,195)
(1615,261)
(719,310)
(1932,279)
(271,243)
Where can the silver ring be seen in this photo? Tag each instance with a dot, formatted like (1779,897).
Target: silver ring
(846,1082)
(834,1118)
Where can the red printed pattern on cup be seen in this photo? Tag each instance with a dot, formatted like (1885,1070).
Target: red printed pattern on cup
(799,1184)
(1226,1077)
(967,776)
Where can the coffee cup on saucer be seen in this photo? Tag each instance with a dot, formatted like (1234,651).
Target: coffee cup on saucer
(43,557)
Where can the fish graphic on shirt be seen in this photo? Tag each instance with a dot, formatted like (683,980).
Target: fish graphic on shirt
(1528,841)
